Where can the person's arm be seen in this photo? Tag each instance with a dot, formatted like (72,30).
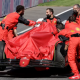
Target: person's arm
(64,32)
(0,22)
(26,22)
(15,31)
(58,20)
(23,20)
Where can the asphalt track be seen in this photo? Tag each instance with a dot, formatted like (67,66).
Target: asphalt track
(30,73)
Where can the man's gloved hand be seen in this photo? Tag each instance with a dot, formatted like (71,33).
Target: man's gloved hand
(63,38)
(39,22)
(31,23)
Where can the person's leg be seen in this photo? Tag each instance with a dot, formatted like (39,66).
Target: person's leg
(78,55)
(72,57)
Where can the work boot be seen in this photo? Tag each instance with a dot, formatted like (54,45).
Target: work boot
(76,76)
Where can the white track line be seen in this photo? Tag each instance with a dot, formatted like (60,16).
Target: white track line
(25,30)
(64,12)
(55,15)
(64,21)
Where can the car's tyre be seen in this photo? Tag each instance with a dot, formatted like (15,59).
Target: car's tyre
(2,54)
(60,54)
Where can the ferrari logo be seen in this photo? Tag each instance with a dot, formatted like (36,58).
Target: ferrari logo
(78,29)
(72,31)
(23,62)
(0,21)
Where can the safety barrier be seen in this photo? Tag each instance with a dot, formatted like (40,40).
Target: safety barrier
(8,6)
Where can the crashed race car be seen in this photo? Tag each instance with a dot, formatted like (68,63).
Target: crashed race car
(59,59)
(35,37)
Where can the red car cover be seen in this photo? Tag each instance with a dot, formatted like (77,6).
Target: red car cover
(37,43)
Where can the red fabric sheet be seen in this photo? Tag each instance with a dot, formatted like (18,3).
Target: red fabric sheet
(37,43)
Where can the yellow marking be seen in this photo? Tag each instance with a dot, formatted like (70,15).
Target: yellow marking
(72,31)
(54,21)
(78,29)
(5,17)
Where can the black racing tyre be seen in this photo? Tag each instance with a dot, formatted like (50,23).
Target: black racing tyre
(60,54)
(2,54)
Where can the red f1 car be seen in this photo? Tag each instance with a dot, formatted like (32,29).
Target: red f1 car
(59,59)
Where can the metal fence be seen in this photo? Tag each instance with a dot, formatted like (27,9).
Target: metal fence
(8,6)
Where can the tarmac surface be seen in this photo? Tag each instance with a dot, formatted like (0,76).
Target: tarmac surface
(30,73)
(40,12)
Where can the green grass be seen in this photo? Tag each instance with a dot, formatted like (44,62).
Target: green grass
(60,3)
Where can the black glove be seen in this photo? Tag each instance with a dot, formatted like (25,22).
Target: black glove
(63,38)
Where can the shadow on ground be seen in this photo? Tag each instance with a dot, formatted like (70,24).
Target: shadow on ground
(32,73)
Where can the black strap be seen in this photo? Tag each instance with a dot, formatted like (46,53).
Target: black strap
(3,25)
(63,38)
(75,35)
